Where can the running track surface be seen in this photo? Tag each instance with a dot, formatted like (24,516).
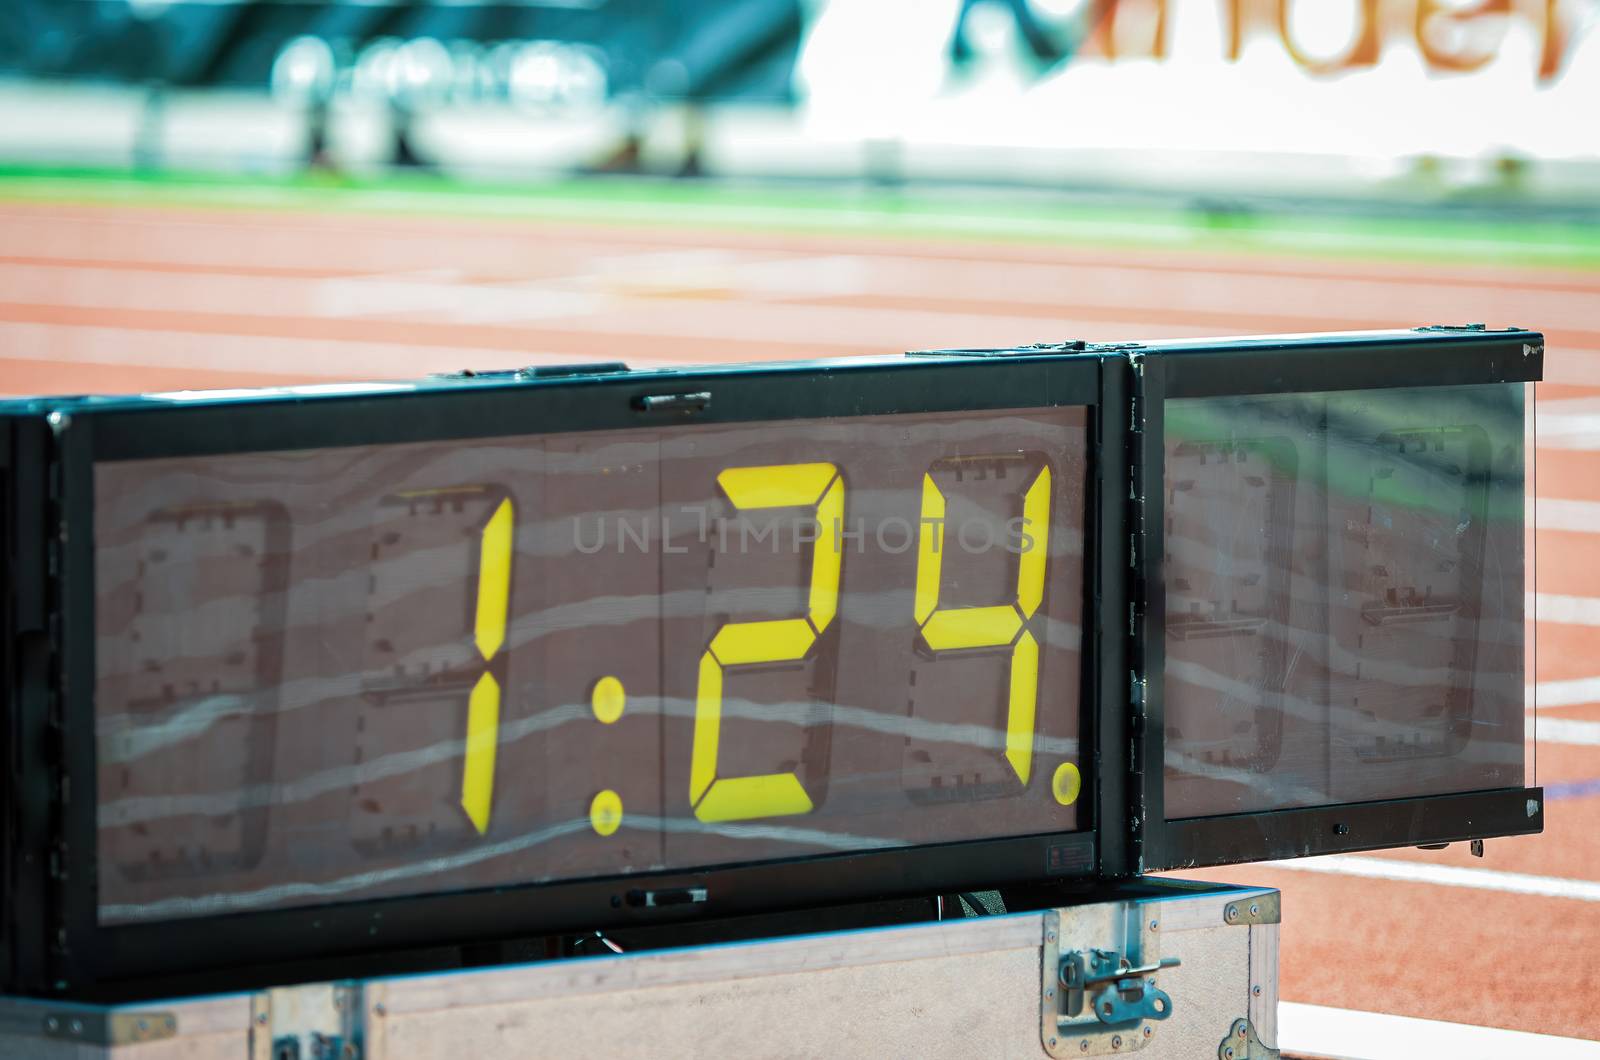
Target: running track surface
(129,298)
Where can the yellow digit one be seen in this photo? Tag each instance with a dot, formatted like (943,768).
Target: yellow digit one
(991,627)
(489,634)
(782,640)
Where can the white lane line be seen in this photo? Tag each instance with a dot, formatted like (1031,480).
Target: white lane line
(1341,1034)
(1571,423)
(1569,407)
(1568,731)
(1553,695)
(1579,516)
(1567,610)
(1445,876)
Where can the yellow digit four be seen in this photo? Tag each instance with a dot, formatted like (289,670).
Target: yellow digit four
(780,640)
(991,627)
(489,634)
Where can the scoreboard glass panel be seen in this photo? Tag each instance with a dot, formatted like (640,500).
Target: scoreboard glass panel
(1344,576)
(332,674)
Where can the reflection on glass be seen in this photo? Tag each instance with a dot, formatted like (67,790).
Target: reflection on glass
(1344,597)
(197,611)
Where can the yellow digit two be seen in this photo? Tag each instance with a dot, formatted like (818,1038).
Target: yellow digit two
(944,629)
(817,486)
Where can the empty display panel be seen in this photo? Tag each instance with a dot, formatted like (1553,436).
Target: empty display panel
(1344,578)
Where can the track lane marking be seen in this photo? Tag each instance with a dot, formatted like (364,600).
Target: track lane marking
(1569,423)
(1582,517)
(1323,1033)
(1570,731)
(1571,789)
(1577,692)
(1035,283)
(478,226)
(1566,610)
(1373,868)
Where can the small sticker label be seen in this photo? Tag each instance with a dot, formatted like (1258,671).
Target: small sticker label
(1061,859)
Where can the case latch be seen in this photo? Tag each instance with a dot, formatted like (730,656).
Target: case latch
(1099,995)
(1116,991)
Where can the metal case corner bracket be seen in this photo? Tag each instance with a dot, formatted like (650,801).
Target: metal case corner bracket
(1242,1043)
(1257,909)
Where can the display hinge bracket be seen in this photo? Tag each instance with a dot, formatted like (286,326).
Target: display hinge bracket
(1242,1043)
(534,371)
(1072,346)
(1470,327)
(1098,989)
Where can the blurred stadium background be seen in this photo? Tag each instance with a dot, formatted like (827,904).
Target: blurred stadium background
(205,193)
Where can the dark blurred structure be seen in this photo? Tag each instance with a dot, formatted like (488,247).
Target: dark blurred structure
(706,48)
(638,53)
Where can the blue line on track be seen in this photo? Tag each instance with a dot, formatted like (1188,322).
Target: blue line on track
(1572,789)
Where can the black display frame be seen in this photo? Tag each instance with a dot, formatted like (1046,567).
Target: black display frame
(52,944)
(1433,356)
(56,944)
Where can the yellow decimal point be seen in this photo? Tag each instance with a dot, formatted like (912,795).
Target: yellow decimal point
(605,812)
(608,699)
(1066,784)
(477,769)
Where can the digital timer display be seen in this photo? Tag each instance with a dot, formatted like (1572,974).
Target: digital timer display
(342,673)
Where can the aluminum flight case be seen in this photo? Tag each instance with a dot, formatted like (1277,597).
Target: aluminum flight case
(1164,968)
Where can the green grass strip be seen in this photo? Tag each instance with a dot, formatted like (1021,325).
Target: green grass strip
(996,215)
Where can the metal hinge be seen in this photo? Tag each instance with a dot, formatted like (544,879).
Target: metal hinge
(1072,346)
(535,371)
(1101,999)
(1469,327)
(1242,1043)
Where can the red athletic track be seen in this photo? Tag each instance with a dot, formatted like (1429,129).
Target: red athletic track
(125,299)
